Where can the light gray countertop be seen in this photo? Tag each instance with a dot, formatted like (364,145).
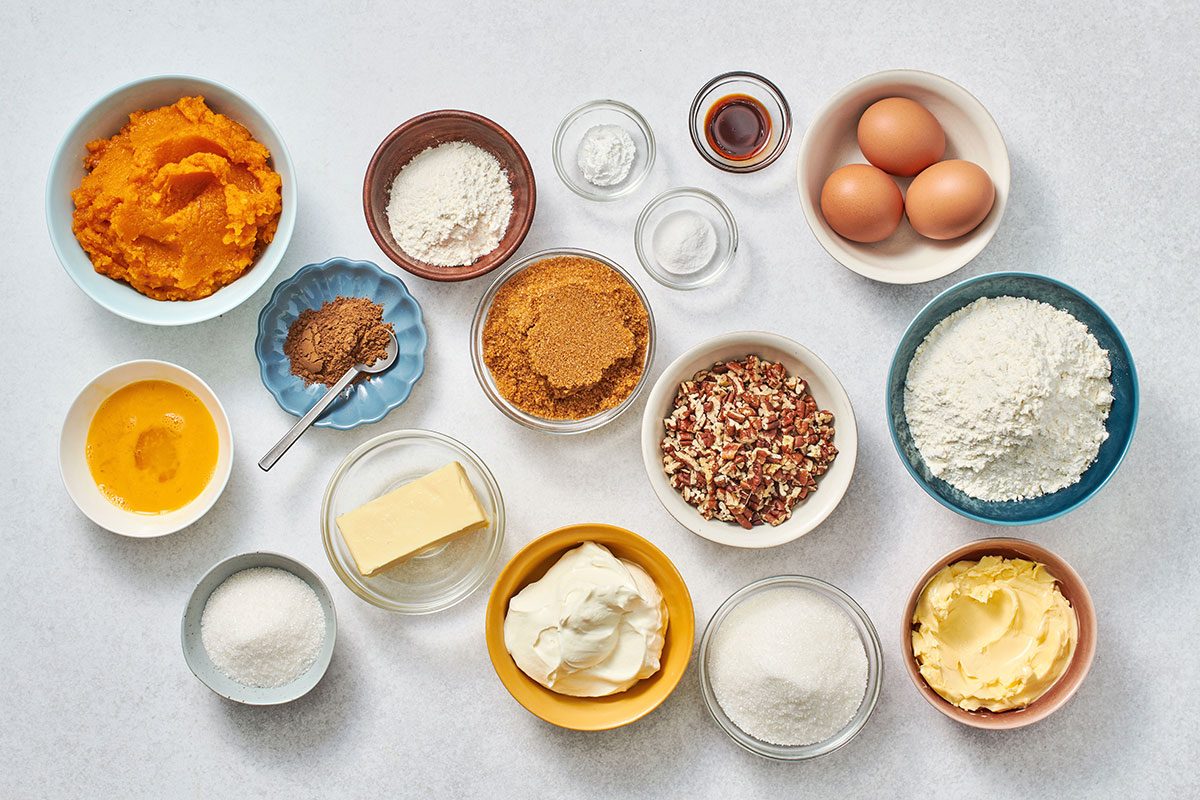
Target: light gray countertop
(1098,108)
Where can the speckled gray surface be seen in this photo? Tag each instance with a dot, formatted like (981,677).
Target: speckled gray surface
(1098,109)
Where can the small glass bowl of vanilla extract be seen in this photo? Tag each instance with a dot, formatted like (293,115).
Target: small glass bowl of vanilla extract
(740,122)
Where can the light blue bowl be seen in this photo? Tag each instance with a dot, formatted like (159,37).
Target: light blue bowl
(1122,419)
(104,119)
(312,286)
(202,666)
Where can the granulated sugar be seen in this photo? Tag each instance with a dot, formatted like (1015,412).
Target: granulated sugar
(263,627)
(788,667)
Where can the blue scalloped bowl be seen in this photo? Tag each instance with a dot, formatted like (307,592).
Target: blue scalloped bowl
(1122,419)
(313,285)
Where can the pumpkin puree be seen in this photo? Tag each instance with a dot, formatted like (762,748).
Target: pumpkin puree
(179,203)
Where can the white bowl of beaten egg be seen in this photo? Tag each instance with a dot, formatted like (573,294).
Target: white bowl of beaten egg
(831,142)
(146,449)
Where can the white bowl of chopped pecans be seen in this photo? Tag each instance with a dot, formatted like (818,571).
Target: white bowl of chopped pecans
(749,439)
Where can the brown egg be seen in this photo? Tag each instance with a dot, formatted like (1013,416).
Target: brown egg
(900,136)
(949,199)
(861,203)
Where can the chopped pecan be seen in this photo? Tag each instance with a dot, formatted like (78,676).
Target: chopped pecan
(745,442)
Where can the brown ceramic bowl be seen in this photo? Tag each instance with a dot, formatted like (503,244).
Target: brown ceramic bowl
(429,130)
(1072,588)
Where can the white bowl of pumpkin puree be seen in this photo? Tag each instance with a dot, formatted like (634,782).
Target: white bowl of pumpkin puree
(171,200)
(146,449)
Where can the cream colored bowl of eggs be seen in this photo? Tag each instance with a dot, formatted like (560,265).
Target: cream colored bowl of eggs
(903,176)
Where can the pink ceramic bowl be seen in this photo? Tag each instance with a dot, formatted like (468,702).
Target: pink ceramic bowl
(1072,587)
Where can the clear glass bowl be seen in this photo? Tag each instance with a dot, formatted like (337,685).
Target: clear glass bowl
(762,90)
(870,642)
(485,376)
(439,577)
(705,204)
(570,133)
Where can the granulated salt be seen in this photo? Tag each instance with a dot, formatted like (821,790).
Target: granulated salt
(263,627)
(788,667)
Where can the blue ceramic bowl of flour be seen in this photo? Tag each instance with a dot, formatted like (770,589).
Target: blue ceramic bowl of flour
(365,401)
(1122,419)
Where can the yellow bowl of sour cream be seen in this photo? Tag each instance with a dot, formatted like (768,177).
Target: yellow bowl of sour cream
(146,449)
(593,713)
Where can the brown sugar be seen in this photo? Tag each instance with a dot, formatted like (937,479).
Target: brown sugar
(565,338)
(323,343)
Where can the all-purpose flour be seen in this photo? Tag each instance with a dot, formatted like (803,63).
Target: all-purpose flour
(450,205)
(1007,398)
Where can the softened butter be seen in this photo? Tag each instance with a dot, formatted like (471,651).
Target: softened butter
(994,633)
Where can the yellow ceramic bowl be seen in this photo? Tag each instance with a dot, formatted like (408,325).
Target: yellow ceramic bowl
(593,713)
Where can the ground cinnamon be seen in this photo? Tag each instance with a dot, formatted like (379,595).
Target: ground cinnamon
(566,338)
(323,343)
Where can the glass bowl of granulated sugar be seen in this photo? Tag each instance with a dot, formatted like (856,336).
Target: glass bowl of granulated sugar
(790,667)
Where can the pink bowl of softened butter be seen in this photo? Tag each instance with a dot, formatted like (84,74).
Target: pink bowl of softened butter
(1041,686)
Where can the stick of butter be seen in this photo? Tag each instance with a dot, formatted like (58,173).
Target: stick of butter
(431,510)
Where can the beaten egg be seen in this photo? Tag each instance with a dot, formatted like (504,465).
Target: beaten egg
(900,136)
(949,199)
(152,447)
(861,203)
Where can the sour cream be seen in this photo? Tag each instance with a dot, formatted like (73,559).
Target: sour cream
(591,627)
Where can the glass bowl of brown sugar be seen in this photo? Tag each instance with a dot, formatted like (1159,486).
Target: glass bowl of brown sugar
(563,340)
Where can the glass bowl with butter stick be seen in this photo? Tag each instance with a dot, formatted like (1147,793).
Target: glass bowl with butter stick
(412,521)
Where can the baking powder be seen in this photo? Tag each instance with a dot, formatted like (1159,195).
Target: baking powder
(606,155)
(1007,398)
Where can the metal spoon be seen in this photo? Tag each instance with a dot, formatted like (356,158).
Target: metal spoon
(289,438)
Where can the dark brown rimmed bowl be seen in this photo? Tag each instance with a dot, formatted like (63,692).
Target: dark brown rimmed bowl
(429,130)
(1072,588)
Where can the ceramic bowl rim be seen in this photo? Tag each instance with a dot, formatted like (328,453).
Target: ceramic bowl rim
(1082,604)
(651,422)
(301,571)
(220,420)
(804,160)
(260,272)
(894,372)
(339,262)
(485,263)
(577,534)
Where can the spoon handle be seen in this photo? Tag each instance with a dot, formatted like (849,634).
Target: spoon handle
(302,424)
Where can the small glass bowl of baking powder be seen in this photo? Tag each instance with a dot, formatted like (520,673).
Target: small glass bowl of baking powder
(608,181)
(686,238)
(861,624)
